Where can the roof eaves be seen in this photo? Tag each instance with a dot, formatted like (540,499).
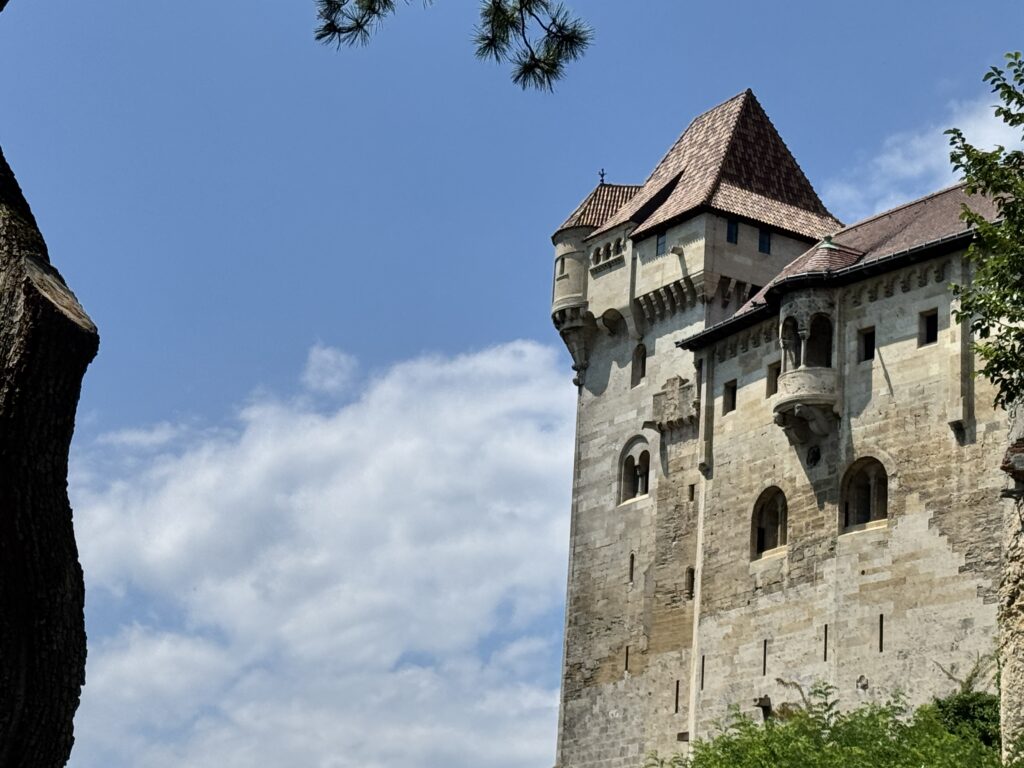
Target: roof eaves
(839,277)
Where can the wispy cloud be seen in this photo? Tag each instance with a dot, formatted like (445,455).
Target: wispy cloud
(379,584)
(913,163)
(329,371)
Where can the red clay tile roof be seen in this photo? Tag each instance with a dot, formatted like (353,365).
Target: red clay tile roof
(731,159)
(605,200)
(926,221)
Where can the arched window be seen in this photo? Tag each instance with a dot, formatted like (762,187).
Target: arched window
(790,345)
(770,521)
(607,251)
(636,471)
(639,370)
(865,493)
(596,258)
(819,344)
(618,246)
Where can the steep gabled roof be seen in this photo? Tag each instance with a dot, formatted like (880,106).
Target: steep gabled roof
(730,159)
(914,229)
(595,209)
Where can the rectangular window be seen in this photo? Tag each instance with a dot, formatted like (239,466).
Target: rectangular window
(729,396)
(561,265)
(928,327)
(772,385)
(732,231)
(660,248)
(865,344)
(764,240)
(691,492)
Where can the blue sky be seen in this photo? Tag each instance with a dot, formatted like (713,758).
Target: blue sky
(328,391)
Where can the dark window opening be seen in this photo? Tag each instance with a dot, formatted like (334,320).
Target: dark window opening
(677,697)
(764,240)
(866,344)
(627,659)
(732,231)
(866,493)
(881,633)
(826,643)
(770,522)
(690,584)
(764,659)
(635,475)
(691,492)
(791,345)
(928,328)
(632,566)
(729,396)
(772,380)
(660,244)
(819,343)
(702,672)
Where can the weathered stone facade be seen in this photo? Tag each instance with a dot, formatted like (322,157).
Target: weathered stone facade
(785,468)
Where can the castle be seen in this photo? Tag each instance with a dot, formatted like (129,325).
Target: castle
(785,468)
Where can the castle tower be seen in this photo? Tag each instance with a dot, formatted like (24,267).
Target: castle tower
(784,468)
(636,268)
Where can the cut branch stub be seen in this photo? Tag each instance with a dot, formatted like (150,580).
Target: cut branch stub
(46,343)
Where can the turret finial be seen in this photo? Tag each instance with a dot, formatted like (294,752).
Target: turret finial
(601,175)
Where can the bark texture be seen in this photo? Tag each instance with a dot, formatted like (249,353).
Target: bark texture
(46,343)
(1011,596)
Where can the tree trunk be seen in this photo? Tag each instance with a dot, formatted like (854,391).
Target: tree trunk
(46,343)
(1011,592)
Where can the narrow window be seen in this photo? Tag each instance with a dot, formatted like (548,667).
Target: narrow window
(643,470)
(764,240)
(698,375)
(865,493)
(791,345)
(928,327)
(769,529)
(819,343)
(690,584)
(772,380)
(702,672)
(639,370)
(729,397)
(691,492)
(764,658)
(732,231)
(865,344)
(561,266)
(677,697)
(618,246)
(826,642)
(596,258)
(627,659)
(632,566)
(881,633)
(660,246)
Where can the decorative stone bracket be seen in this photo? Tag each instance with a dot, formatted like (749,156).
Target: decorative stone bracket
(805,408)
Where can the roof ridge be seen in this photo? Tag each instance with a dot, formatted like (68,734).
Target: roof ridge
(900,207)
(713,186)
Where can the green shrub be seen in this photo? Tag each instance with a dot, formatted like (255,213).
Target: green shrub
(951,733)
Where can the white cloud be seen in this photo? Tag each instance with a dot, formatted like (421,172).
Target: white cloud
(329,371)
(914,163)
(155,436)
(375,585)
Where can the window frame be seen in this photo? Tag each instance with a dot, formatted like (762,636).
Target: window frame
(764,241)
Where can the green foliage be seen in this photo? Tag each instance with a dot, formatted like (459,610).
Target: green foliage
(993,302)
(952,733)
(537,37)
(971,713)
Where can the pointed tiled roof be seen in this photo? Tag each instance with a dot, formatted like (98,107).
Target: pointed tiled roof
(917,227)
(731,159)
(605,200)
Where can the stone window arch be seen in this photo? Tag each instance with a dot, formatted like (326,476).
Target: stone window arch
(819,343)
(635,473)
(770,523)
(596,258)
(607,251)
(865,494)
(639,367)
(791,346)
(618,246)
